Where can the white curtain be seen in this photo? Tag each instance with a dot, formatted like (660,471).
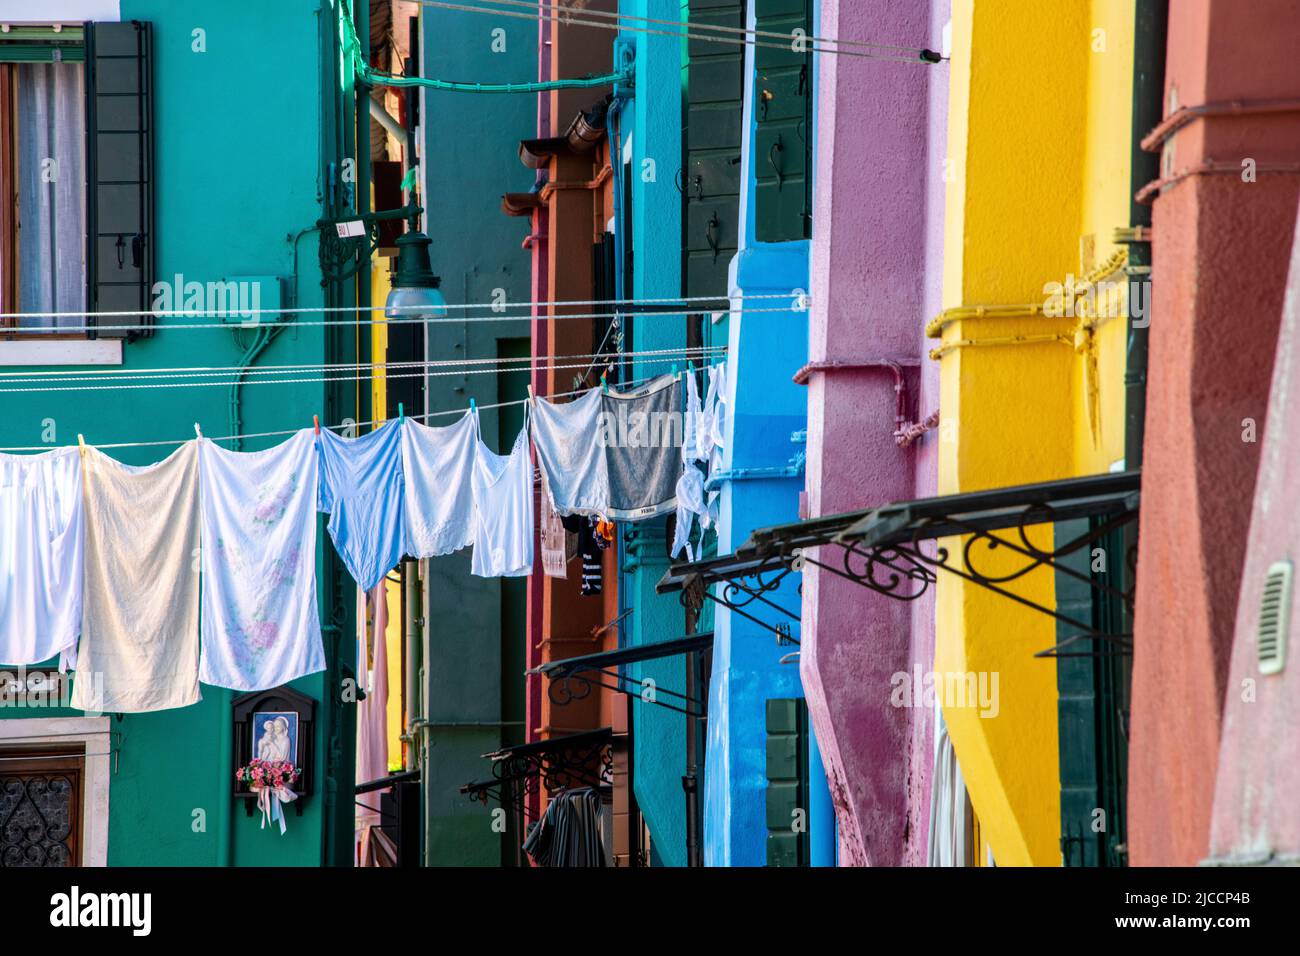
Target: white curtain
(51,192)
(949,809)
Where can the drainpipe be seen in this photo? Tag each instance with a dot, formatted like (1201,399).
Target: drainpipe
(225,802)
(389,123)
(1151,21)
(363,203)
(413,627)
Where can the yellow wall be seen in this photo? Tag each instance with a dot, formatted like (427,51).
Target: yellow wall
(379,287)
(1038,156)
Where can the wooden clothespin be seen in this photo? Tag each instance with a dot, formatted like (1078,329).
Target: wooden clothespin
(401,413)
(531,396)
(81,442)
(315,421)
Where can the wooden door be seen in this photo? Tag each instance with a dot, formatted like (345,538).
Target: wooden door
(40,808)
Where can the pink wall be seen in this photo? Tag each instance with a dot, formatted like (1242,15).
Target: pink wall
(1255,818)
(876,274)
(1220,252)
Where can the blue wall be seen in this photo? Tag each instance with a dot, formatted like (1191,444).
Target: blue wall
(767,409)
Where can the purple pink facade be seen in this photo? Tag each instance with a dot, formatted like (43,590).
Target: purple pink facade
(876,274)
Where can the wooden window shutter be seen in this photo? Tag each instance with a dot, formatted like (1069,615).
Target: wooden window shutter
(783,115)
(119,177)
(787,782)
(711,137)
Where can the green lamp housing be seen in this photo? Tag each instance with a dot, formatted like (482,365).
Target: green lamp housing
(415,292)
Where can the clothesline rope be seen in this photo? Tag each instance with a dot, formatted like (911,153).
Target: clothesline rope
(37,376)
(702,26)
(309,380)
(340,427)
(227,324)
(494,307)
(576,18)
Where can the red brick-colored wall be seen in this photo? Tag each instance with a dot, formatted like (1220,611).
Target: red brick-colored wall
(1220,251)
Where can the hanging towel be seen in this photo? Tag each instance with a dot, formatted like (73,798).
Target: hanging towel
(140,615)
(697,445)
(716,403)
(570,454)
(503,510)
(642,435)
(361,488)
(716,415)
(697,428)
(438,466)
(41,518)
(554,539)
(260,628)
(691,505)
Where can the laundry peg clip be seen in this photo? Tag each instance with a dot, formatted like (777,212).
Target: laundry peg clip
(531,396)
(604,385)
(472,406)
(673,371)
(81,442)
(401,413)
(198,432)
(315,421)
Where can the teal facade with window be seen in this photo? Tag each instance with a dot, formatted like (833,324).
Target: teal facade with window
(733,180)
(247,154)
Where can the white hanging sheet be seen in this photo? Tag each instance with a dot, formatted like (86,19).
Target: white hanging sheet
(140,615)
(570,454)
(438,468)
(41,543)
(260,626)
(503,507)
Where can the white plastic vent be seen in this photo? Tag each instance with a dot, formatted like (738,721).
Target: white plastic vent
(1274,618)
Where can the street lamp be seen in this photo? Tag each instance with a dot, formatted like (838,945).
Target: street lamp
(415,292)
(345,248)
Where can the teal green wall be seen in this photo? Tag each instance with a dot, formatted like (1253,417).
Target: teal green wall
(242,132)
(653,119)
(474,674)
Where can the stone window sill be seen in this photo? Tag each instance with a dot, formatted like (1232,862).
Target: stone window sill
(27,352)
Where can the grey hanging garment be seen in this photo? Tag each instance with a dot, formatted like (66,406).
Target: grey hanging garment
(569,833)
(642,434)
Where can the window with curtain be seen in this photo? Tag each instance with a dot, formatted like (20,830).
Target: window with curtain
(42,152)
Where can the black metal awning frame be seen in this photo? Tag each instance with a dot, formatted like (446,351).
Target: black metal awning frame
(741,583)
(572,679)
(887,549)
(576,760)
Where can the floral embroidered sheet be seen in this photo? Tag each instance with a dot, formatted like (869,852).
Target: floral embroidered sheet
(260,624)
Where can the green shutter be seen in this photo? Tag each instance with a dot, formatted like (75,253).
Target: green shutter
(1093,705)
(783,116)
(787,782)
(710,179)
(33,44)
(119,174)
